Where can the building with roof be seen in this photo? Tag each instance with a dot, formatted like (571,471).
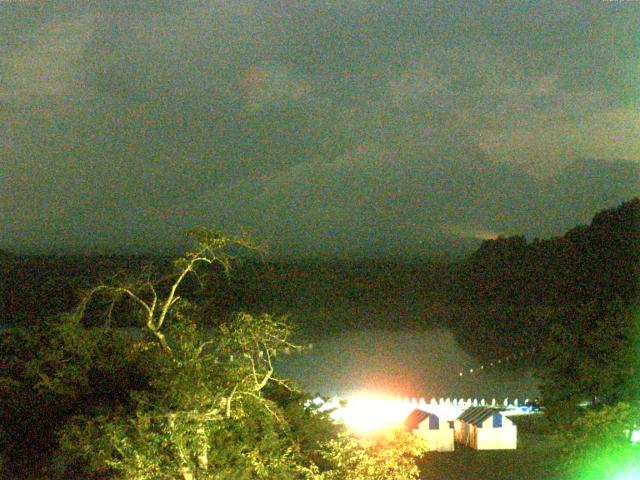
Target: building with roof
(437,432)
(485,428)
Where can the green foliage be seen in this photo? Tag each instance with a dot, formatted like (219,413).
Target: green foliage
(56,371)
(512,292)
(597,445)
(593,356)
(388,456)
(204,412)
(173,399)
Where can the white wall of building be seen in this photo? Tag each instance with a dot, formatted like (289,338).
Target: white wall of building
(438,440)
(487,437)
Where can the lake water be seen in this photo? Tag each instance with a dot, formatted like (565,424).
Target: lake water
(423,363)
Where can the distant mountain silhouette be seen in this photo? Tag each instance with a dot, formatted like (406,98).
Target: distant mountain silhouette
(405,200)
(374,201)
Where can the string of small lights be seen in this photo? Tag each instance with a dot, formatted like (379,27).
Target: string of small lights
(498,362)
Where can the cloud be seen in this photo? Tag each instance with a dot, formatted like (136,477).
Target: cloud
(113,113)
(548,141)
(47,62)
(269,86)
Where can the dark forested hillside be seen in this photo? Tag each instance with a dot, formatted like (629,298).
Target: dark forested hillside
(33,287)
(512,290)
(506,294)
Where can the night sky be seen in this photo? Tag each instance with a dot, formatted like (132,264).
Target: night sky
(322,127)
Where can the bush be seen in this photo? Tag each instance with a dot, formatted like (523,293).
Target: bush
(598,445)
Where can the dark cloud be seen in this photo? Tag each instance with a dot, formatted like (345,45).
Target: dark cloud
(122,121)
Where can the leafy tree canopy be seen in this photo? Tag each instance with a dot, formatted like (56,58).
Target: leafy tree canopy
(174,397)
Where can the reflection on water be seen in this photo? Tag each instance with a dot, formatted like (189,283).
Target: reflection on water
(415,364)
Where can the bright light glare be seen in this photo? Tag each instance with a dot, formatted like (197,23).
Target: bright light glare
(367,413)
(632,475)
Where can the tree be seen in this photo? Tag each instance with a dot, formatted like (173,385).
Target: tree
(211,248)
(592,356)
(384,457)
(514,292)
(205,414)
(177,398)
(598,444)
(203,386)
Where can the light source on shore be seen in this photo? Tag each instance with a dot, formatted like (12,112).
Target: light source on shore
(367,412)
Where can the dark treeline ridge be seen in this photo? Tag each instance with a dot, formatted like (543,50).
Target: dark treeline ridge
(511,292)
(500,300)
(36,286)
(574,295)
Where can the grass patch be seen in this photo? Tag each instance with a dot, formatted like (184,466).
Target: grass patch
(536,423)
(535,459)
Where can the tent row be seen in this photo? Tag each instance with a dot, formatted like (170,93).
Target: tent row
(481,428)
(467,403)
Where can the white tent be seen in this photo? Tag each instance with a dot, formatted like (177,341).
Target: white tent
(485,428)
(436,431)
